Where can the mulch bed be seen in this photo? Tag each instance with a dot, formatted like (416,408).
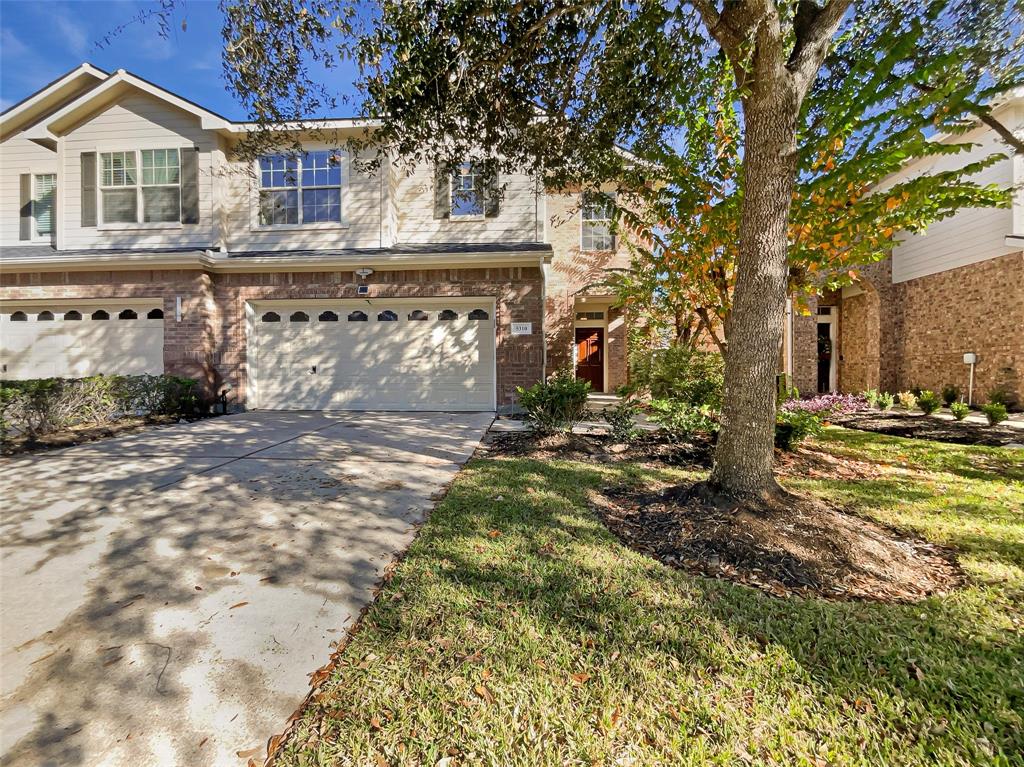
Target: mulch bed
(920,426)
(788,546)
(601,448)
(77,435)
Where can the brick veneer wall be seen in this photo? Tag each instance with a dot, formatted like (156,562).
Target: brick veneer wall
(572,270)
(805,348)
(915,333)
(210,341)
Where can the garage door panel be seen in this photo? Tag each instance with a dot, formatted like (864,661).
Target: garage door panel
(75,348)
(404,364)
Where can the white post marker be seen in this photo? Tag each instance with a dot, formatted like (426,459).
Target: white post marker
(969,359)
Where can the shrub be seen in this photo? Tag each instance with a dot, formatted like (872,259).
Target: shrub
(680,420)
(621,420)
(999,397)
(794,426)
(885,401)
(929,402)
(950,394)
(557,404)
(959,410)
(995,412)
(871,396)
(827,405)
(680,373)
(907,399)
(39,406)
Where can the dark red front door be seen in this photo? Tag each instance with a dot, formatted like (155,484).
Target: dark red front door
(590,356)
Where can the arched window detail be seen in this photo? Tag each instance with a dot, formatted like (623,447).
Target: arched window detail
(19,317)
(101,314)
(387,316)
(155,314)
(357,316)
(447,315)
(72,315)
(418,315)
(479,314)
(299,317)
(328,316)
(271,317)
(44,316)
(128,314)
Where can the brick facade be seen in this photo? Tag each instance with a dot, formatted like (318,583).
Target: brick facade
(209,342)
(575,273)
(914,334)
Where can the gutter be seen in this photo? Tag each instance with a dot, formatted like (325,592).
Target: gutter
(218,263)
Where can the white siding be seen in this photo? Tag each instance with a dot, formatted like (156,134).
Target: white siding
(137,121)
(18,155)
(515,222)
(973,234)
(361,202)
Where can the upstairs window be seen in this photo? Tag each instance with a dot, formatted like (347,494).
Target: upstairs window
(42,203)
(467,191)
(156,194)
(300,190)
(597,222)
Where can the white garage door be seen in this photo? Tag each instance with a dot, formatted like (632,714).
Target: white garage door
(434,354)
(64,340)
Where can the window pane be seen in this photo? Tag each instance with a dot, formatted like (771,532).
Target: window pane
(117,169)
(160,166)
(42,205)
(467,192)
(597,207)
(319,205)
(120,206)
(278,171)
(597,236)
(161,203)
(322,168)
(279,208)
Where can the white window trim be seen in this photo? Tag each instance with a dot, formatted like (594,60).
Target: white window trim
(584,221)
(137,226)
(255,189)
(44,238)
(452,215)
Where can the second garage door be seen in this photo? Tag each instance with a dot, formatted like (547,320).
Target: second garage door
(434,354)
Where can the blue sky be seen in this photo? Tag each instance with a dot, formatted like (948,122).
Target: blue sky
(40,40)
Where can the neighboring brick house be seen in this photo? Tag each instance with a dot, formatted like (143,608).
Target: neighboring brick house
(132,241)
(909,320)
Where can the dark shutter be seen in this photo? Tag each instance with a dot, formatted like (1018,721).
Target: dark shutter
(442,191)
(190,186)
(25,201)
(492,193)
(88,189)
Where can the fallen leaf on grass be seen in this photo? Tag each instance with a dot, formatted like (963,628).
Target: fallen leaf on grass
(493,533)
(580,678)
(239,604)
(484,693)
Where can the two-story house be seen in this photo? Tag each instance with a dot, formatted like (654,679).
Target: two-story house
(943,298)
(132,240)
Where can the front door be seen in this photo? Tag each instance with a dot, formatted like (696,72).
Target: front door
(590,357)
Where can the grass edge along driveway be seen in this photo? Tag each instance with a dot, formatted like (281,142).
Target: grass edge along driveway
(518,631)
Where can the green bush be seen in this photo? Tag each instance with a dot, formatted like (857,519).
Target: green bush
(928,401)
(794,426)
(43,405)
(872,397)
(907,399)
(885,401)
(557,404)
(680,420)
(950,394)
(621,420)
(679,373)
(995,412)
(959,410)
(999,396)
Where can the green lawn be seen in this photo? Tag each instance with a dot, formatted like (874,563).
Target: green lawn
(518,631)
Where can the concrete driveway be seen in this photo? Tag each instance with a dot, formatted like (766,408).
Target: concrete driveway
(165,595)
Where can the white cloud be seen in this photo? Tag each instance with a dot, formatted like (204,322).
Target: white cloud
(73,34)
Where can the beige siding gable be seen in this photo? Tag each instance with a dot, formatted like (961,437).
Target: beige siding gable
(17,156)
(137,121)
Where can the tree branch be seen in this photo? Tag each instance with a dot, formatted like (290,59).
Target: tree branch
(812,39)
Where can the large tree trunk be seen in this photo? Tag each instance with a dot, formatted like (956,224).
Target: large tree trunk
(743,457)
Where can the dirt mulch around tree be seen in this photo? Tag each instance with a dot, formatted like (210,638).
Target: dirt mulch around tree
(920,426)
(600,448)
(788,546)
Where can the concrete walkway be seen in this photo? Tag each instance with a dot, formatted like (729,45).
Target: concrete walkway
(165,595)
